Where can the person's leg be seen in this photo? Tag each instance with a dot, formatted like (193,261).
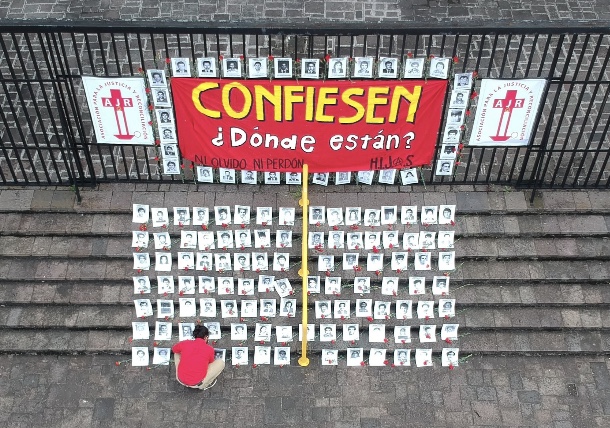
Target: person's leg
(214,369)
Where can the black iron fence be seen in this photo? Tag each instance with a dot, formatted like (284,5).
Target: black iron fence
(46,134)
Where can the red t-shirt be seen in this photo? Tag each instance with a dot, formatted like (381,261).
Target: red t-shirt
(195,355)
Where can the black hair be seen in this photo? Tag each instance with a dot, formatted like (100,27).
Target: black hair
(201,332)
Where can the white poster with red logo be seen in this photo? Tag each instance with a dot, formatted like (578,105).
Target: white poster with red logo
(119,110)
(506,112)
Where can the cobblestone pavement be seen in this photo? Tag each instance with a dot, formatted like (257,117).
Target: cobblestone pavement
(339,11)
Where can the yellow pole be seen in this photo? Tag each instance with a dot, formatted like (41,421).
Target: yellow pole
(304,202)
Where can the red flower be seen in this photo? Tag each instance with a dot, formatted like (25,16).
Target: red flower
(327,57)
(140,69)
(456,59)
(297,60)
(243,225)
(254,366)
(143,226)
(327,273)
(117,363)
(473,95)
(241,57)
(448,341)
(362,363)
(225,225)
(270,57)
(457,163)
(264,223)
(221,57)
(451,366)
(385,339)
(369,318)
(398,270)
(354,227)
(426,363)
(309,293)
(452,223)
(181,293)
(375,249)
(468,112)
(431,56)
(463,127)
(377,272)
(427,317)
(157,142)
(386,362)
(475,74)
(167,60)
(147,90)
(335,227)
(409,55)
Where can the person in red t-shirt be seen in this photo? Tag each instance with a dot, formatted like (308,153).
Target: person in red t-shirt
(194,359)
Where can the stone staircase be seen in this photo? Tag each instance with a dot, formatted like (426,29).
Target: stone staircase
(529,280)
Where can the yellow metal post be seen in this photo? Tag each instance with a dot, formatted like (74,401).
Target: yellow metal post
(304,202)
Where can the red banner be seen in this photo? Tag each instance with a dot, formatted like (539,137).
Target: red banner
(331,125)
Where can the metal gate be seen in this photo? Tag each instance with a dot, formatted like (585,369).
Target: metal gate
(46,134)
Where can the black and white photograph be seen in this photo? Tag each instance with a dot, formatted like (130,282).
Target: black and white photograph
(249,308)
(139,356)
(449,151)
(330,357)
(354,241)
(206,240)
(326,263)
(220,354)
(161,356)
(414,68)
(446,260)
(404,309)
(292,177)
(332,285)
(207,284)
(231,67)
(427,333)
(165,308)
(241,261)
(317,215)
(337,68)
(334,216)
(182,216)
(222,262)
(139,239)
(449,357)
(242,214)
(353,216)
(201,216)
(282,68)
(387,176)
(165,285)
(161,97)
(205,174)
(320,178)
(355,357)
(343,177)
(440,285)
(228,308)
(156,78)
(446,214)
(446,308)
(351,332)
(417,285)
(160,217)
(388,68)
(188,307)
(227,175)
(364,308)
(372,240)
(429,214)
(283,239)
(459,99)
(185,330)
(350,260)
(281,356)
(408,176)
(186,261)
(462,81)
(239,354)
(286,216)
(188,239)
(423,357)
(410,241)
(283,287)
(456,117)
(262,355)
(214,328)
(335,239)
(402,334)
(388,214)
(207,307)
(310,68)
(399,261)
(141,261)
(186,284)
(181,67)
(143,308)
(140,214)
(257,68)
(262,238)
(283,333)
(323,309)
(381,310)
(363,67)
(163,330)
(169,150)
(377,357)
(427,240)
(224,239)
(376,333)
(262,332)
(439,68)
(264,216)
(402,357)
(272,177)
(390,239)
(260,262)
(342,309)
(374,262)
(389,286)
(165,117)
(452,134)
(248,177)
(313,284)
(206,67)
(226,285)
(268,308)
(372,217)
(365,177)
(422,261)
(445,239)
(222,215)
(239,331)
(243,239)
(287,307)
(140,330)
(163,262)
(328,332)
(425,309)
(449,331)
(362,285)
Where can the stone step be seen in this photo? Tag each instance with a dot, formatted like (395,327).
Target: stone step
(66,341)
